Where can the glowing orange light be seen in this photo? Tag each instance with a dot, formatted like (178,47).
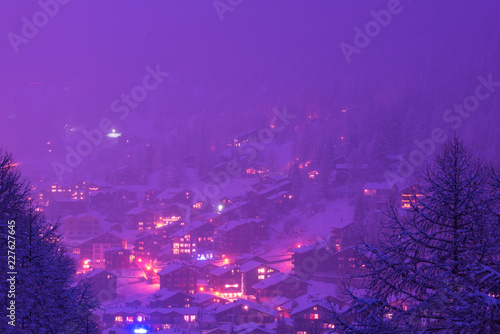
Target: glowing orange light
(140,260)
(202,289)
(226,260)
(148,267)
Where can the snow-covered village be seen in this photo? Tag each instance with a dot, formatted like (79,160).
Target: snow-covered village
(252,168)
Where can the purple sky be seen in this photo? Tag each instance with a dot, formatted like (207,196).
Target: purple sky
(429,55)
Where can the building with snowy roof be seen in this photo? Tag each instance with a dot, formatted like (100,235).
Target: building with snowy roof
(179,277)
(280,284)
(246,311)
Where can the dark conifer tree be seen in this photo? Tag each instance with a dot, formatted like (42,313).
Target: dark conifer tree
(435,267)
(47,300)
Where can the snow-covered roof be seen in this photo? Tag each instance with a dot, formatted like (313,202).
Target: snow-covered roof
(169,193)
(250,265)
(276,301)
(266,188)
(310,300)
(190,228)
(302,249)
(223,269)
(275,279)
(213,307)
(163,294)
(252,327)
(202,297)
(248,256)
(116,249)
(278,195)
(143,234)
(227,327)
(234,206)
(231,225)
(170,268)
(202,264)
(252,305)
(209,215)
(111,233)
(94,272)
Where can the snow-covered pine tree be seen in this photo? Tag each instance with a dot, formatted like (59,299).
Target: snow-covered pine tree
(46,299)
(281,327)
(436,267)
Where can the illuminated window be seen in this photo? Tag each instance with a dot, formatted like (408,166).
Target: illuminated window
(262,270)
(314,316)
(130,319)
(313,174)
(189,318)
(119,318)
(370,192)
(262,276)
(139,318)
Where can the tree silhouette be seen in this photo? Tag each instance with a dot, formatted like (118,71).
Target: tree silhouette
(47,300)
(435,267)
